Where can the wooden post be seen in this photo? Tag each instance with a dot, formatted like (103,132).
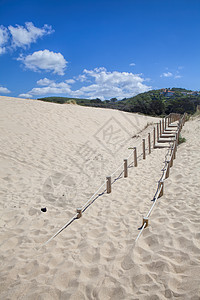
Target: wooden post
(145,222)
(161,185)
(179,126)
(163,126)
(157,132)
(135,157)
(177,136)
(172,157)
(125,168)
(149,140)
(179,130)
(143,144)
(160,128)
(154,137)
(174,154)
(175,149)
(165,123)
(168,120)
(108,184)
(79,211)
(168,167)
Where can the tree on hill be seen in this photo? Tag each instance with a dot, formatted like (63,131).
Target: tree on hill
(152,102)
(180,105)
(113,100)
(97,100)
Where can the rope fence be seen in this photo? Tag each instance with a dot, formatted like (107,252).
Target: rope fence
(165,132)
(171,153)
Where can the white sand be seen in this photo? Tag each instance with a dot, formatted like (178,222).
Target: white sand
(50,157)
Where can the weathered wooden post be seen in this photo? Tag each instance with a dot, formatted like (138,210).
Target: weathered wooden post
(145,222)
(79,211)
(149,141)
(143,144)
(108,184)
(177,138)
(125,168)
(167,171)
(135,157)
(160,187)
(174,153)
(160,128)
(157,132)
(171,160)
(165,123)
(154,137)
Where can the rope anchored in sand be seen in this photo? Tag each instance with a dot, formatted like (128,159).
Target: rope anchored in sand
(108,183)
(165,174)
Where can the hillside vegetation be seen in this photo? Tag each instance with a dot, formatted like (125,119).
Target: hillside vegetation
(155,102)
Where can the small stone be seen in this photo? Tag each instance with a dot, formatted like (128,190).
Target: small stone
(43,209)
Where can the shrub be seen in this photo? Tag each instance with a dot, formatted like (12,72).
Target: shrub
(181,140)
(71,101)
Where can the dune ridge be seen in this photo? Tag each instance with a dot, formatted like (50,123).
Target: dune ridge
(41,154)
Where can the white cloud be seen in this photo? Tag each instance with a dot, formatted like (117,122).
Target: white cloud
(44,81)
(70,81)
(3,39)
(168,74)
(112,84)
(45,60)
(132,64)
(50,87)
(4,90)
(25,96)
(81,78)
(23,36)
(104,85)
(177,76)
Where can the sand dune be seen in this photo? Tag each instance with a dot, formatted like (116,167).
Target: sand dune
(56,156)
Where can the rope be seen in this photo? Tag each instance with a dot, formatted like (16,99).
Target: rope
(117,169)
(61,229)
(90,201)
(127,158)
(140,233)
(130,154)
(156,198)
(92,196)
(159,188)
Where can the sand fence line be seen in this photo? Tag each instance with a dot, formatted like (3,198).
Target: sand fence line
(166,132)
(170,156)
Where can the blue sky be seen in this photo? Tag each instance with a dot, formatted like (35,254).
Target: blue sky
(103,49)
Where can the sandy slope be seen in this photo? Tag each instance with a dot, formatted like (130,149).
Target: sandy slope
(58,155)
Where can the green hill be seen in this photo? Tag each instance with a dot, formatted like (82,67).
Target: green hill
(154,102)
